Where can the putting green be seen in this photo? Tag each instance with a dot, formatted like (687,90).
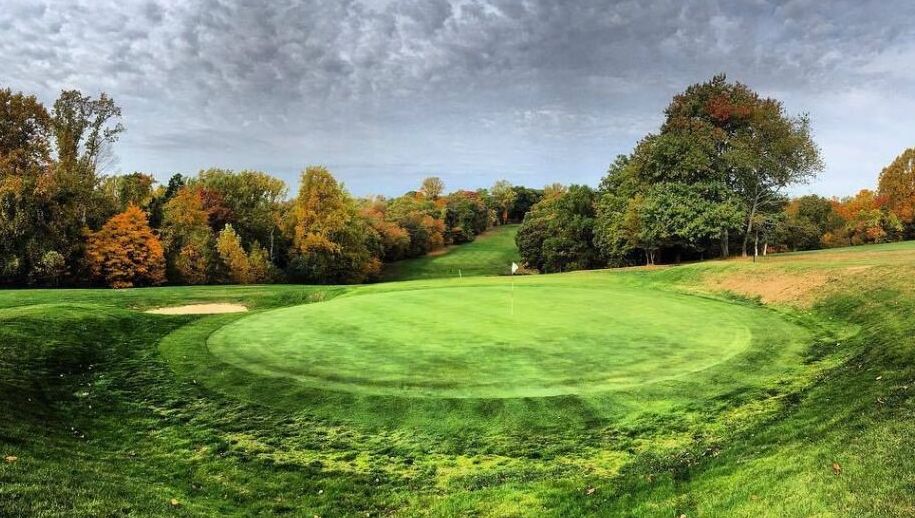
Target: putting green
(469,342)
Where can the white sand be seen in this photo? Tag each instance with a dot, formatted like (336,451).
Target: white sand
(200,309)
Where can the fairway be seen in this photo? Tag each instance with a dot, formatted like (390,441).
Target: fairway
(490,253)
(494,341)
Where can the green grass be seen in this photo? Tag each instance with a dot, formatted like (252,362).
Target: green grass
(491,253)
(429,398)
(535,339)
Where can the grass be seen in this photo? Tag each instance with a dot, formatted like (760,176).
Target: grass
(797,408)
(491,253)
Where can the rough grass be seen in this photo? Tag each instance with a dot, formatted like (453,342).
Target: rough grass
(111,411)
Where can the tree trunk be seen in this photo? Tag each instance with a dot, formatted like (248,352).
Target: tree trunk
(271,245)
(765,245)
(746,236)
(725,246)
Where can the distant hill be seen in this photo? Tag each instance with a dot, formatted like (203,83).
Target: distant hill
(490,254)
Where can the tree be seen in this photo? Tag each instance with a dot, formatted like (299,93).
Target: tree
(557,233)
(233,256)
(25,194)
(465,216)
(395,240)
(897,188)
(804,222)
(432,187)
(249,200)
(504,196)
(188,238)
(866,219)
(332,243)
(676,216)
(24,134)
(525,198)
(130,189)
(421,219)
(83,127)
(125,252)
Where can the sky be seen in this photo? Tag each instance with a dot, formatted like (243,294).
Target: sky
(388,92)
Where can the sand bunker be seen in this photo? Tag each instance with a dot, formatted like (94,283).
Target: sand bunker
(199,309)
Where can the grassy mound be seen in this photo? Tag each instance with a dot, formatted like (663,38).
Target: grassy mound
(497,341)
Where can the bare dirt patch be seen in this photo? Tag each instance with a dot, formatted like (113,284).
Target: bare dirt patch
(776,287)
(200,309)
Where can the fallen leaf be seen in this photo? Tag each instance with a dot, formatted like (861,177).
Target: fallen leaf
(590,490)
(879,378)
(174,502)
(10,459)
(836,468)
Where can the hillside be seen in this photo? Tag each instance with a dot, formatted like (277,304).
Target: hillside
(492,253)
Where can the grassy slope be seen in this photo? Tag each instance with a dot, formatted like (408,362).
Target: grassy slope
(102,425)
(489,254)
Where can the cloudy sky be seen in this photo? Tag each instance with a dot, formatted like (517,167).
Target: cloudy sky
(387,92)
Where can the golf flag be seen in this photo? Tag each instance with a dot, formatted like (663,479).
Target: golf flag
(514,268)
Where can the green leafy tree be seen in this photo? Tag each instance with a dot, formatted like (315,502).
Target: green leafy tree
(504,196)
(465,216)
(557,233)
(525,198)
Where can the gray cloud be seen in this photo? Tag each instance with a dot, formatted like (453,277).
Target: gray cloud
(389,91)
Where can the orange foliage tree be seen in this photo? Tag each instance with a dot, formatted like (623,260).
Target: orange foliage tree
(867,220)
(897,186)
(125,252)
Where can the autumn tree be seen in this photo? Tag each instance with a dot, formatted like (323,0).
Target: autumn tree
(189,240)
(332,243)
(25,204)
(233,256)
(897,188)
(421,219)
(125,252)
(395,240)
(249,200)
(866,220)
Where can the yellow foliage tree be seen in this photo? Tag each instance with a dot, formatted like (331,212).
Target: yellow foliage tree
(897,186)
(233,256)
(125,252)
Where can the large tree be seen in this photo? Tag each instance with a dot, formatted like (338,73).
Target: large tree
(332,242)
(723,131)
(897,188)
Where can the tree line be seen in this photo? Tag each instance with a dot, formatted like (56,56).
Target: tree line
(62,222)
(711,182)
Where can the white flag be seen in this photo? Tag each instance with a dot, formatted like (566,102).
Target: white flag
(514,268)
